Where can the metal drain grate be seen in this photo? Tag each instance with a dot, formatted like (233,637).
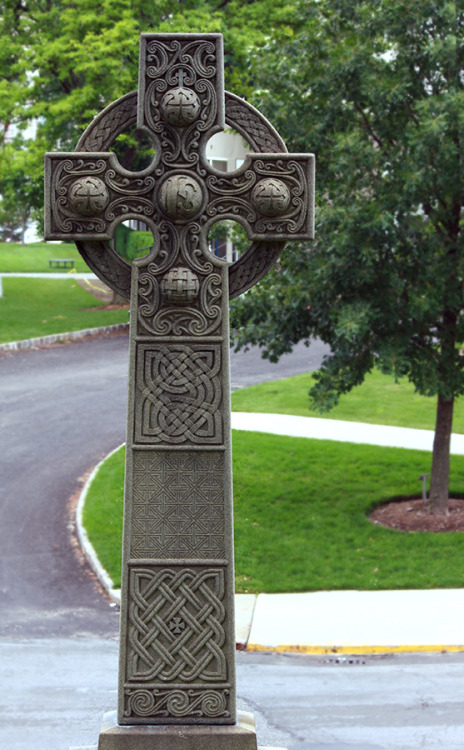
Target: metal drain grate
(351,661)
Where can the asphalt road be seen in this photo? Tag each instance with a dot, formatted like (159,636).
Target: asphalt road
(55,692)
(63,409)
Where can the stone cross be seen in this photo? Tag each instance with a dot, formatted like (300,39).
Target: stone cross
(177,647)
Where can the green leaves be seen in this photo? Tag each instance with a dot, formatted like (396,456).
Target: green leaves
(62,62)
(375,89)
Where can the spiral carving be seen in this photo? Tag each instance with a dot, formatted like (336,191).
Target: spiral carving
(176,704)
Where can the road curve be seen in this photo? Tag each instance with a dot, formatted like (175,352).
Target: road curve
(63,409)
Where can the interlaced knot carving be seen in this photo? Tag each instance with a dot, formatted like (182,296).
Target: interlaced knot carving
(162,597)
(180,394)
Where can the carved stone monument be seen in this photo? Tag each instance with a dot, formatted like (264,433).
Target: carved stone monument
(177,643)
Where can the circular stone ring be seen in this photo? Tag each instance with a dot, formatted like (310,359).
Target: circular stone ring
(239,115)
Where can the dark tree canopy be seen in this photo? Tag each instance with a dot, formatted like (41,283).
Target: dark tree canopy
(376,90)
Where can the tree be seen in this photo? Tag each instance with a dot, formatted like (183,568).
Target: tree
(13,74)
(376,90)
(21,188)
(70,58)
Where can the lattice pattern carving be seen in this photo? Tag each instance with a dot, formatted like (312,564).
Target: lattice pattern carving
(178,394)
(176,632)
(178,505)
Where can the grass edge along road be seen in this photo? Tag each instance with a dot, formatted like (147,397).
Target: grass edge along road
(301,522)
(31,308)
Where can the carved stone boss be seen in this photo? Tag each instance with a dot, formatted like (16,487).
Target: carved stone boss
(177,625)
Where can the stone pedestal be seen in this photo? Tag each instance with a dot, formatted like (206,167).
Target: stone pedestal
(241,736)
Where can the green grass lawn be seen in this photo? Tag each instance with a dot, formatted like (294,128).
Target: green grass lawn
(33,258)
(379,400)
(38,307)
(301,521)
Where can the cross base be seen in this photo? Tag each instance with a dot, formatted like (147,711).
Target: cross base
(241,736)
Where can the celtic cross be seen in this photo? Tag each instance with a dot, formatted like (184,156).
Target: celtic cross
(177,625)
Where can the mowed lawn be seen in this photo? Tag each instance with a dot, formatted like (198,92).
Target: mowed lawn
(34,257)
(301,517)
(379,400)
(301,506)
(38,307)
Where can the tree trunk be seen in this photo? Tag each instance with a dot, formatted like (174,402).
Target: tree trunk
(439,483)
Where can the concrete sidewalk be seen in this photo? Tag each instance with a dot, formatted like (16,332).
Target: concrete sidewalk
(355,622)
(345,432)
(351,622)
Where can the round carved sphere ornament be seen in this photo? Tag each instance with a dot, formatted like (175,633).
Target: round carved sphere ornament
(181,197)
(88,196)
(180,106)
(271,197)
(180,286)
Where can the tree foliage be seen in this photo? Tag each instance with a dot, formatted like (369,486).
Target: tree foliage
(68,59)
(61,62)
(376,90)
(21,192)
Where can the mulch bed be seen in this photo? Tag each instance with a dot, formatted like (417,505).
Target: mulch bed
(413,515)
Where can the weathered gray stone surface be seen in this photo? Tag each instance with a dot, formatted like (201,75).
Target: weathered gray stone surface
(242,736)
(177,656)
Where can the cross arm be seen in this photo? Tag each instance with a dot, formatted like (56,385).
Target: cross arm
(272,195)
(88,194)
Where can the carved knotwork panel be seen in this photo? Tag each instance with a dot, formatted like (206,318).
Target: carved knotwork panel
(178,395)
(176,626)
(175,665)
(178,505)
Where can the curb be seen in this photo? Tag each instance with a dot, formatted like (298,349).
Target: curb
(367,650)
(54,338)
(84,541)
